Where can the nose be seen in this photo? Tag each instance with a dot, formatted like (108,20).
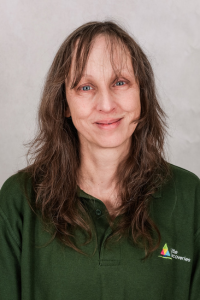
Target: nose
(106,101)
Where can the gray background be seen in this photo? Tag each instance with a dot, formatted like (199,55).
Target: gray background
(32,31)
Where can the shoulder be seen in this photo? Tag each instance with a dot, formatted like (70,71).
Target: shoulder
(181,182)
(182,175)
(15,193)
(181,195)
(184,182)
(18,184)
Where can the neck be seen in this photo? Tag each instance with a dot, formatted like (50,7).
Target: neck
(97,173)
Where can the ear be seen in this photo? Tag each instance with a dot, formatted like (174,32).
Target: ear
(67,113)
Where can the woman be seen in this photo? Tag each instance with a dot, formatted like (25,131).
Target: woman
(99,213)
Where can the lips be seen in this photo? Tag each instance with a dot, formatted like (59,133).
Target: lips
(108,122)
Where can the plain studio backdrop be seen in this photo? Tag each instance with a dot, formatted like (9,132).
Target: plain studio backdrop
(32,31)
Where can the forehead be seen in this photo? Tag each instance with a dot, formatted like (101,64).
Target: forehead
(105,55)
(108,53)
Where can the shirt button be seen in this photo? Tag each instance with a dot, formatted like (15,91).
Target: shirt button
(98,212)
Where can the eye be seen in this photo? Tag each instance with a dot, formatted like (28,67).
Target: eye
(119,83)
(86,88)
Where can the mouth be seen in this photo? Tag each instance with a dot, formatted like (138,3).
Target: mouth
(108,122)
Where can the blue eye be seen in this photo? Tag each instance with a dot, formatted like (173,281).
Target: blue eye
(120,83)
(86,88)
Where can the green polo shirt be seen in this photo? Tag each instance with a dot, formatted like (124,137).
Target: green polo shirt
(34,267)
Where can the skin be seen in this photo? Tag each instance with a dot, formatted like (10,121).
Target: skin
(104,108)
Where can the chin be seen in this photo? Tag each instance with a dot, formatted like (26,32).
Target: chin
(112,143)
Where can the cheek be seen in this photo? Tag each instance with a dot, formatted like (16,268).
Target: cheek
(77,106)
(80,116)
(78,109)
(133,105)
(138,108)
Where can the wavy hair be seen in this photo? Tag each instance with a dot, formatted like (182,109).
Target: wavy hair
(54,154)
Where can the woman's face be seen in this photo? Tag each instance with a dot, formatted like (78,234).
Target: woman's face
(104,105)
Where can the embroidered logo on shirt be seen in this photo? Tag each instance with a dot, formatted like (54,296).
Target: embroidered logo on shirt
(165,252)
(174,254)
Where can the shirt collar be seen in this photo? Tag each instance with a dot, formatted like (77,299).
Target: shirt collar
(82,194)
(158,193)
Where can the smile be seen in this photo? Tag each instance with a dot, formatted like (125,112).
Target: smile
(108,124)
(108,121)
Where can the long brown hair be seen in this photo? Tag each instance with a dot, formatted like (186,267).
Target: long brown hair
(55,152)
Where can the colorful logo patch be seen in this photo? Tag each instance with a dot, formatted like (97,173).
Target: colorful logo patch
(165,252)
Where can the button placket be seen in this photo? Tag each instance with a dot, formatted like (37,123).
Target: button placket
(110,255)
